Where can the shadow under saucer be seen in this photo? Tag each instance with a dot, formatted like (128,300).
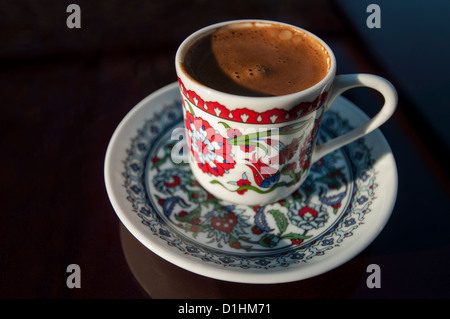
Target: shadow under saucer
(161,279)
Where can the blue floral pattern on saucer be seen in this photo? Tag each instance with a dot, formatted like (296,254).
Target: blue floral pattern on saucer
(329,207)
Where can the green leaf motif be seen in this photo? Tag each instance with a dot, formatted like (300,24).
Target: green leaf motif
(269,240)
(190,217)
(295,236)
(225,125)
(250,187)
(280,219)
(190,107)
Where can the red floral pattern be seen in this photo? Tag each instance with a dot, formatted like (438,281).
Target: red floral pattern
(242,183)
(306,151)
(211,151)
(244,115)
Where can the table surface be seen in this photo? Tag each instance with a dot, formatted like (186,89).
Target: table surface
(63,92)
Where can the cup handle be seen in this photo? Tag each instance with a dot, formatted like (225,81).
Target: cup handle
(345,82)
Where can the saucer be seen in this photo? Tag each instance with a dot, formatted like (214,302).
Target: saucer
(338,211)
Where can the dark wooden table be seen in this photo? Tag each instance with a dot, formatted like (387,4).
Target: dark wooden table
(63,92)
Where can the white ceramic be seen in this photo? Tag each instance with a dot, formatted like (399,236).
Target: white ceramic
(338,211)
(257,150)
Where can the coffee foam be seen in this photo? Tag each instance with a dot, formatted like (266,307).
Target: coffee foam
(262,60)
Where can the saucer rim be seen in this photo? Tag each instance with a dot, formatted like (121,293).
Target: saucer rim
(279,275)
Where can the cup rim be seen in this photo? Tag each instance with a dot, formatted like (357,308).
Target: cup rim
(183,48)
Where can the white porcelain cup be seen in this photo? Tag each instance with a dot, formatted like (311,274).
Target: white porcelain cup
(257,150)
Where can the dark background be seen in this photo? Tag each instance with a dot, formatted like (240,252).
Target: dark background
(63,92)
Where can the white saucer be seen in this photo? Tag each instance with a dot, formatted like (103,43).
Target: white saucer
(338,211)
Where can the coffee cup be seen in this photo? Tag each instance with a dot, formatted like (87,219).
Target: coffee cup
(253,94)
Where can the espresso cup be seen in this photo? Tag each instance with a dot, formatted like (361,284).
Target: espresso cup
(251,146)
